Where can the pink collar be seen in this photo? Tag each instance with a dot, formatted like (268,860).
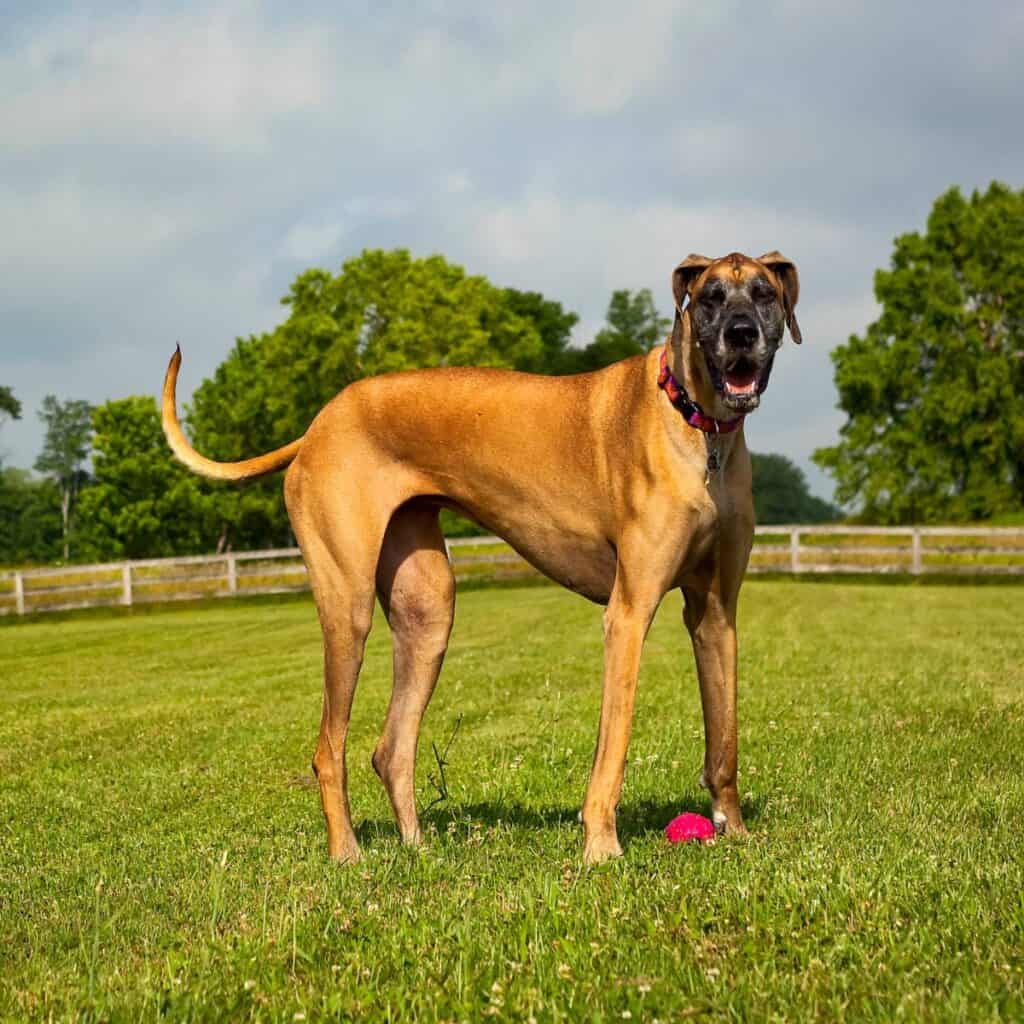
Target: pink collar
(694,415)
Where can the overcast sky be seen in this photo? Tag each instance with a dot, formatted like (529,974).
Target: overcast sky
(165,171)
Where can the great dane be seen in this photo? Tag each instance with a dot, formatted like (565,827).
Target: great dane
(620,485)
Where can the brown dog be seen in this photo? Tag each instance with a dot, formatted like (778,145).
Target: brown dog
(619,484)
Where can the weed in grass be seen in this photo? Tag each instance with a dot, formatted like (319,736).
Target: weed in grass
(440,781)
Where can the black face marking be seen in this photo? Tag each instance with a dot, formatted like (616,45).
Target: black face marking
(762,292)
(738,323)
(714,293)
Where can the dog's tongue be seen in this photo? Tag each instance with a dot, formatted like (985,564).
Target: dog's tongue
(741,383)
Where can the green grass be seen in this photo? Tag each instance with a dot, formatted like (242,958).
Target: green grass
(162,854)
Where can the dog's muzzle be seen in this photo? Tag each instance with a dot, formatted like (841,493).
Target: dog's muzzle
(741,363)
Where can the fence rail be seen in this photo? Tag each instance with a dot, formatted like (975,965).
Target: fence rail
(913,551)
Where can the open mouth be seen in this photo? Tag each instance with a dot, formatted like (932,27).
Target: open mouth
(741,381)
(741,378)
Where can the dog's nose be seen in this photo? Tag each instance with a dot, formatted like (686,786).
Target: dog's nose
(741,331)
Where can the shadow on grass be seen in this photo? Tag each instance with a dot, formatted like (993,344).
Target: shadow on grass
(634,820)
(653,815)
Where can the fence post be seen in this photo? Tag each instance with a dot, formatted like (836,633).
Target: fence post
(915,552)
(126,584)
(19,594)
(232,575)
(794,551)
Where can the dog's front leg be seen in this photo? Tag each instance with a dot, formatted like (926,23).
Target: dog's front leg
(626,622)
(711,620)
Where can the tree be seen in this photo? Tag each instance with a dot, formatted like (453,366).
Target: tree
(384,311)
(9,405)
(30,521)
(634,326)
(934,389)
(554,326)
(142,502)
(781,494)
(231,417)
(65,449)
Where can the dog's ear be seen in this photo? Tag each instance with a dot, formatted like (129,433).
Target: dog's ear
(685,274)
(785,271)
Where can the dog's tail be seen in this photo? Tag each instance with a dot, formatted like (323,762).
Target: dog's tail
(247,469)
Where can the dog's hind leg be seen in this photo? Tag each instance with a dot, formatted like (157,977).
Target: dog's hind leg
(417,592)
(340,550)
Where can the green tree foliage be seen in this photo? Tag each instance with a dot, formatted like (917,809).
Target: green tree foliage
(781,494)
(9,405)
(634,326)
(30,520)
(934,389)
(233,415)
(65,450)
(142,503)
(553,323)
(384,311)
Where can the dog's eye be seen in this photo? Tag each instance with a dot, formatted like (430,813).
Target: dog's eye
(763,293)
(712,297)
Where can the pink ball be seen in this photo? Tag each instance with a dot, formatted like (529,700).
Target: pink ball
(689,827)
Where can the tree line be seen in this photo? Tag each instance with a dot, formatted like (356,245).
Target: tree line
(933,393)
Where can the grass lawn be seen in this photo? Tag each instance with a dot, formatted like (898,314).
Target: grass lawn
(162,853)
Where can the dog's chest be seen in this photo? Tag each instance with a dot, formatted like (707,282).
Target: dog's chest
(703,540)
(710,532)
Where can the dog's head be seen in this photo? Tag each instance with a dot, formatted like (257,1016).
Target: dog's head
(738,308)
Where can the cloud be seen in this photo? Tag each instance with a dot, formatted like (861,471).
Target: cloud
(458,181)
(310,242)
(218,78)
(617,54)
(593,246)
(166,172)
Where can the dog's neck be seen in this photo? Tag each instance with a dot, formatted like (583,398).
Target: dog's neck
(686,363)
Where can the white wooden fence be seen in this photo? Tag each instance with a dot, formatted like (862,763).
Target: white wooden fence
(914,551)
(911,550)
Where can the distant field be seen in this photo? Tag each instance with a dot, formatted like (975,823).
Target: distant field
(162,852)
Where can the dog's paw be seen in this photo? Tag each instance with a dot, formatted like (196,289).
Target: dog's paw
(601,848)
(729,825)
(412,836)
(347,853)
